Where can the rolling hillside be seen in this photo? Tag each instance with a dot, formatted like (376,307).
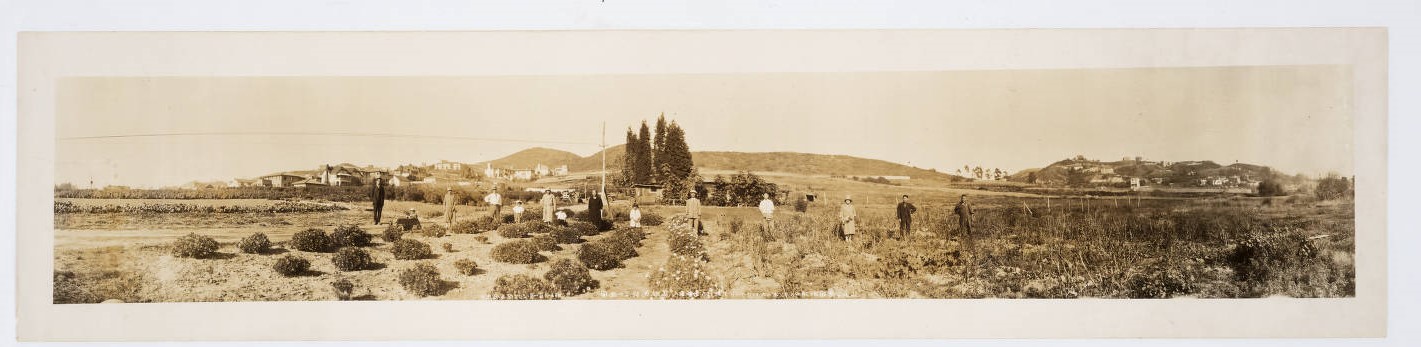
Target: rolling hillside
(528,158)
(798,163)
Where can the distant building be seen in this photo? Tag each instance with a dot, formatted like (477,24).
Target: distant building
(1135,182)
(242,183)
(542,170)
(523,175)
(445,165)
(560,170)
(280,180)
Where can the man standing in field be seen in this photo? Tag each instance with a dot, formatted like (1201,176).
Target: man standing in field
(449,206)
(905,217)
(377,198)
(767,209)
(547,206)
(693,211)
(495,200)
(964,216)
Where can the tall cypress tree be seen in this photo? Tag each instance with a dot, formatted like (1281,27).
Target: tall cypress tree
(658,150)
(631,159)
(644,169)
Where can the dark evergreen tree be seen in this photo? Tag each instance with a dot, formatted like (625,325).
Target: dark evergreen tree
(631,159)
(644,172)
(658,149)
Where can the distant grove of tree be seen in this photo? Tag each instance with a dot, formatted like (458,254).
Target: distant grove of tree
(662,158)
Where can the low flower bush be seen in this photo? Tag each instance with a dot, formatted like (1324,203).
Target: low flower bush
(517,252)
(311,240)
(408,249)
(194,246)
(256,243)
(291,265)
(422,280)
(523,287)
(571,278)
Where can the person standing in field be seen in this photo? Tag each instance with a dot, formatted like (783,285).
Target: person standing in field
(449,206)
(693,212)
(905,217)
(634,216)
(594,210)
(495,200)
(377,198)
(964,216)
(518,211)
(547,206)
(848,218)
(767,209)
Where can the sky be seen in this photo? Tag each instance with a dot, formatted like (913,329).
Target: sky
(1294,118)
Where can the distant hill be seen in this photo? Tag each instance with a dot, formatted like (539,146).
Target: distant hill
(1178,172)
(811,164)
(529,158)
(799,163)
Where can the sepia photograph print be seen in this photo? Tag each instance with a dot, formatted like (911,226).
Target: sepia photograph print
(1229,182)
(1105,183)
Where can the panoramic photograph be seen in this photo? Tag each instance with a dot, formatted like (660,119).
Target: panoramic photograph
(1120,183)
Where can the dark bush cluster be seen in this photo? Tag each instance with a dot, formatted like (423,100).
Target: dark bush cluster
(349,235)
(651,219)
(582,228)
(571,278)
(343,288)
(609,252)
(408,249)
(351,259)
(422,280)
(517,252)
(311,240)
(465,227)
(433,230)
(467,267)
(523,287)
(194,246)
(567,235)
(1257,257)
(392,233)
(545,242)
(256,243)
(291,265)
(1158,282)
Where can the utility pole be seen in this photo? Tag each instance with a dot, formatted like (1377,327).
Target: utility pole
(604,160)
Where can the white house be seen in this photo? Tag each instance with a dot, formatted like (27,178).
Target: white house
(560,171)
(446,165)
(523,174)
(541,170)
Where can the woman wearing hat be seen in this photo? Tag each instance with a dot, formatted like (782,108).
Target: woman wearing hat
(848,218)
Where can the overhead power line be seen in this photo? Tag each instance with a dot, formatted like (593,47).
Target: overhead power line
(299,133)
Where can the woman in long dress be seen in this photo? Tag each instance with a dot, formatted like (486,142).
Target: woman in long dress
(848,218)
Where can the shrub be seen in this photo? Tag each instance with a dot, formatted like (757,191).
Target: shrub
(408,249)
(351,259)
(343,288)
(801,205)
(291,265)
(571,278)
(522,287)
(392,233)
(517,252)
(481,239)
(686,244)
(651,219)
(1257,257)
(1158,282)
(546,242)
(194,246)
(682,277)
(514,231)
(465,227)
(433,230)
(468,267)
(598,256)
(567,235)
(448,247)
(349,235)
(486,223)
(580,228)
(422,280)
(256,243)
(311,240)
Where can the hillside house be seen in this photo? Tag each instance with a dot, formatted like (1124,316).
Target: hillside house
(542,170)
(522,175)
(445,165)
(280,180)
(427,180)
(242,183)
(646,192)
(560,170)
(309,182)
(1136,182)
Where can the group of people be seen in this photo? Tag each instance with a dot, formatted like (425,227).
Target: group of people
(595,206)
(848,216)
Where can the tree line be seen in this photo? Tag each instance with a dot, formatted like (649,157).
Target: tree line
(662,158)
